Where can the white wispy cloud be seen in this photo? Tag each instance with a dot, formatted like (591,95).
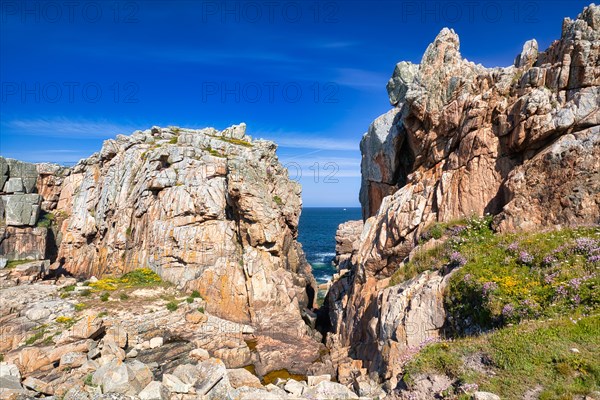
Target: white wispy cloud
(360,79)
(307,140)
(67,128)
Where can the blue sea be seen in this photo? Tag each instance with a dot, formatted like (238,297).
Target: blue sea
(317,234)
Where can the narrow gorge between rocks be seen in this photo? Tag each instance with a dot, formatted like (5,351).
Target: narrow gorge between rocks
(172,263)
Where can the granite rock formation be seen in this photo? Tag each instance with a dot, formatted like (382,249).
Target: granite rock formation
(521,143)
(209,211)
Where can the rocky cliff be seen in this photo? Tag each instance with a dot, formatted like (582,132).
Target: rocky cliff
(209,211)
(521,143)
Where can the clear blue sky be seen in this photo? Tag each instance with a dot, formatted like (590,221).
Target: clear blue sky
(309,75)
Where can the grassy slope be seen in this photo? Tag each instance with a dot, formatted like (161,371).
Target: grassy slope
(527,356)
(525,291)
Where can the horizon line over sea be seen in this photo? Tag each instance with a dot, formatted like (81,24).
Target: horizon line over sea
(316,233)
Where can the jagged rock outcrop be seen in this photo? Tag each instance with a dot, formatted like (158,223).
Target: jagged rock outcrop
(212,211)
(347,240)
(521,143)
(130,344)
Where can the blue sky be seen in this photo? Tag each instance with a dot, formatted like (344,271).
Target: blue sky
(309,75)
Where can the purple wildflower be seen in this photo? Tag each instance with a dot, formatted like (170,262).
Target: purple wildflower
(456,230)
(575,283)
(457,259)
(469,387)
(561,291)
(585,245)
(529,303)
(508,310)
(513,247)
(549,260)
(594,259)
(550,278)
(467,278)
(525,257)
(576,299)
(488,288)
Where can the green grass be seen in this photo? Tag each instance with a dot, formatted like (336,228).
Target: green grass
(214,152)
(238,142)
(69,288)
(519,289)
(46,220)
(510,277)
(172,306)
(88,381)
(14,263)
(473,230)
(124,296)
(521,357)
(80,306)
(173,140)
(38,335)
(104,296)
(201,309)
(277,200)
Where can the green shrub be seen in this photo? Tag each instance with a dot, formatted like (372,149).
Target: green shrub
(123,296)
(277,200)
(173,140)
(80,306)
(172,306)
(104,296)
(46,220)
(201,309)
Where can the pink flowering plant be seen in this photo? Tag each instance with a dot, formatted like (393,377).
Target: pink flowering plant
(514,277)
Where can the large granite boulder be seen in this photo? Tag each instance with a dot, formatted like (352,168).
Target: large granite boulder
(21,209)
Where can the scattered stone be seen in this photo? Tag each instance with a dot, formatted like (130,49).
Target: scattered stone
(199,354)
(174,384)
(315,380)
(294,387)
(330,390)
(485,396)
(242,377)
(196,317)
(38,385)
(154,391)
(156,342)
(73,359)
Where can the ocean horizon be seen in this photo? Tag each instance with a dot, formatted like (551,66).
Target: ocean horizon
(316,233)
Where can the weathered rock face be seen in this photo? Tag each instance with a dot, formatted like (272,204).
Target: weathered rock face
(20,208)
(347,241)
(23,243)
(521,143)
(208,210)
